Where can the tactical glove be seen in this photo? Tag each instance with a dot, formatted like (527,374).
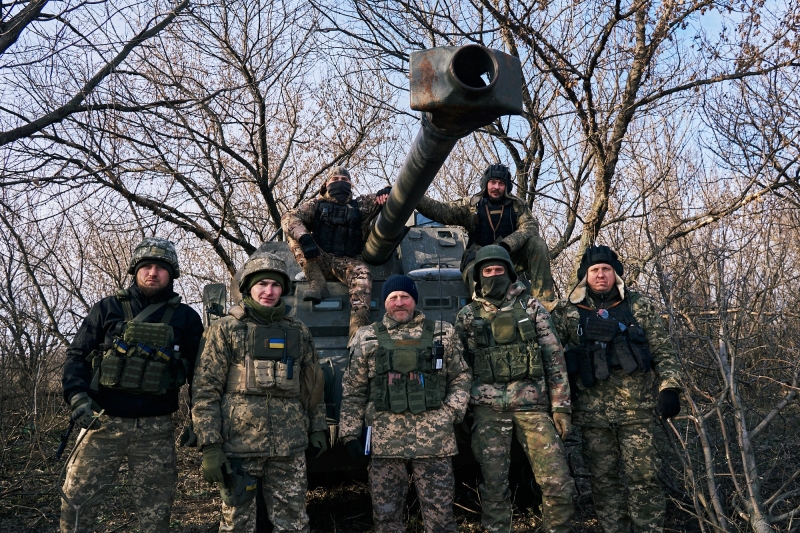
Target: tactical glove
(83,409)
(385,190)
(309,246)
(317,444)
(669,403)
(188,437)
(355,449)
(563,423)
(216,467)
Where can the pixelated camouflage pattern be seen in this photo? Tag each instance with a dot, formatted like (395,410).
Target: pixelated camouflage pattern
(491,445)
(528,250)
(549,392)
(148,443)
(617,420)
(155,248)
(248,425)
(435,484)
(403,435)
(285,486)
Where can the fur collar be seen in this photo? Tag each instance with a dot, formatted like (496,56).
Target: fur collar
(578,294)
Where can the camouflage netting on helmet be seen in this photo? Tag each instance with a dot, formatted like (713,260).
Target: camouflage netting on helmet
(260,262)
(158,249)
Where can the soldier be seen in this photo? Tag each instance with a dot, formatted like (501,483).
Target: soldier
(327,234)
(614,338)
(495,216)
(520,377)
(128,360)
(257,394)
(407,384)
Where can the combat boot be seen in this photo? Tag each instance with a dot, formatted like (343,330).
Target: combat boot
(359,319)
(318,287)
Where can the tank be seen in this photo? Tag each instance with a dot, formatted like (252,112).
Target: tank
(457,90)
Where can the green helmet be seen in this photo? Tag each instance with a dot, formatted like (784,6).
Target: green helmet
(157,249)
(492,254)
(261,262)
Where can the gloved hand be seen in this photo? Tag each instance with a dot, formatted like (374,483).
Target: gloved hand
(317,443)
(502,244)
(215,465)
(309,246)
(563,423)
(669,403)
(83,409)
(354,448)
(188,437)
(385,190)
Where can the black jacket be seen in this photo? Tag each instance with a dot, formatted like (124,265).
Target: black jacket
(97,332)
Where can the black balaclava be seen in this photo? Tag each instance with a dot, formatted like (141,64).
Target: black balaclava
(340,190)
(495,288)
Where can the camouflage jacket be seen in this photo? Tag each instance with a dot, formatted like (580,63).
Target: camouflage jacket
(631,391)
(549,392)
(248,425)
(403,435)
(300,220)
(464,212)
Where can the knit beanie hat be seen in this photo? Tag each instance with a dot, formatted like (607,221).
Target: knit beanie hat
(595,255)
(399,282)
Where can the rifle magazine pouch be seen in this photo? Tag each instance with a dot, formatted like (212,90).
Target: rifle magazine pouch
(111,368)
(624,352)
(285,383)
(501,366)
(398,398)
(434,390)
(379,392)
(482,367)
(526,329)
(134,369)
(517,362)
(152,378)
(261,374)
(416,396)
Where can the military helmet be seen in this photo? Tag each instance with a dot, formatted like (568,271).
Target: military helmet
(492,254)
(157,249)
(498,171)
(260,262)
(594,255)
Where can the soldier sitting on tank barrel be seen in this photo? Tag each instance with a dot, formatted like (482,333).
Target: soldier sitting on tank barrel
(495,216)
(327,235)
(258,403)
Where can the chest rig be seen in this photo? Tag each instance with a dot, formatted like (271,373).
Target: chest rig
(337,228)
(610,338)
(494,222)
(271,361)
(506,347)
(142,358)
(408,372)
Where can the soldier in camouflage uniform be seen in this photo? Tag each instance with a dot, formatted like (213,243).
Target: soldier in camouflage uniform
(257,402)
(128,360)
(520,383)
(407,382)
(327,234)
(617,352)
(495,216)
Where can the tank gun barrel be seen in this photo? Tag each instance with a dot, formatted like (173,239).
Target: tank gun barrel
(458,90)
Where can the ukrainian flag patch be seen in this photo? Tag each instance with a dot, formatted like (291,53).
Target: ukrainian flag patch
(277,343)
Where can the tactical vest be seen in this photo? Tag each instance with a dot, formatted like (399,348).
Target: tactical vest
(407,372)
(142,358)
(484,235)
(506,346)
(610,338)
(337,228)
(271,361)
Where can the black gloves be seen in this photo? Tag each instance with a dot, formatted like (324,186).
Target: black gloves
(502,244)
(310,248)
(354,448)
(385,190)
(83,409)
(669,403)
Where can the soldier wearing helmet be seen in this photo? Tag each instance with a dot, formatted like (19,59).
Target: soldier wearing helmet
(495,216)
(122,375)
(327,235)
(257,397)
(520,388)
(618,354)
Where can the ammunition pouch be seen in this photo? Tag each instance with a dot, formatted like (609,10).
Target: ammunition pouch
(242,488)
(506,346)
(407,373)
(271,362)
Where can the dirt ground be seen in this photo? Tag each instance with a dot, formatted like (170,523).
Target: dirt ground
(337,502)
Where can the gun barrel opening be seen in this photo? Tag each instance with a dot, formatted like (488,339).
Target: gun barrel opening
(474,68)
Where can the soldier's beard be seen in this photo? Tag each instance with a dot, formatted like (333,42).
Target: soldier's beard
(151,292)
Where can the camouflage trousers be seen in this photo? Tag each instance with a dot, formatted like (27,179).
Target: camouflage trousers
(534,259)
(491,444)
(625,438)
(352,271)
(149,445)
(285,486)
(435,482)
